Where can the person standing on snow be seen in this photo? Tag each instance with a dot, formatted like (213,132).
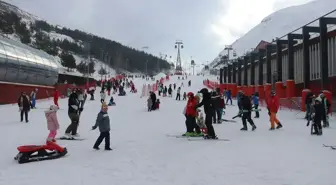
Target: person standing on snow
(317,114)
(56,96)
(228,95)
(73,113)
(24,105)
(103,122)
(308,103)
(102,96)
(326,106)
(209,111)
(178,94)
(52,122)
(33,98)
(255,99)
(273,108)
(246,111)
(170,91)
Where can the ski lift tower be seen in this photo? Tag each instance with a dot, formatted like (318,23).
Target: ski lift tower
(178,46)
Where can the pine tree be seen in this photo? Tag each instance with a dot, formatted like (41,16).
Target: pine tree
(68,61)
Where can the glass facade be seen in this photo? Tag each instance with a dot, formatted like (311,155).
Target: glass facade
(20,63)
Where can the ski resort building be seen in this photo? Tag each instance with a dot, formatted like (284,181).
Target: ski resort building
(291,65)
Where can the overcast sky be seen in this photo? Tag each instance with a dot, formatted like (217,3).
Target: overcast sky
(205,26)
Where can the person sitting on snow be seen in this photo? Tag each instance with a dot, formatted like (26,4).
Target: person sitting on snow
(111,103)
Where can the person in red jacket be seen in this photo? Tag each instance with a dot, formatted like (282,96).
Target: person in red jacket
(56,95)
(273,107)
(191,114)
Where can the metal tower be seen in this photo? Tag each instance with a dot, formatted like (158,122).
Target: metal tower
(178,46)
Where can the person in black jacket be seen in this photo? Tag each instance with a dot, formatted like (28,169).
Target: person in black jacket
(246,106)
(153,97)
(317,114)
(326,107)
(308,102)
(24,105)
(209,111)
(216,101)
(73,113)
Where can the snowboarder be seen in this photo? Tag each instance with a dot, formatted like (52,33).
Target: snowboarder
(273,107)
(246,112)
(24,105)
(209,111)
(52,122)
(103,122)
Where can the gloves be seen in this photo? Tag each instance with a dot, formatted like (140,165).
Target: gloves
(21,108)
(94,127)
(81,109)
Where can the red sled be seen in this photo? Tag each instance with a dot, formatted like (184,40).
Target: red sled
(32,153)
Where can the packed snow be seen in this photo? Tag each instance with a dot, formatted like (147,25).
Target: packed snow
(143,154)
(281,23)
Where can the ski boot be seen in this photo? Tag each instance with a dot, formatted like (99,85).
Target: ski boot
(272,128)
(244,129)
(279,126)
(253,127)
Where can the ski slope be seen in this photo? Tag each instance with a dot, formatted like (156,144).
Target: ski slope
(144,155)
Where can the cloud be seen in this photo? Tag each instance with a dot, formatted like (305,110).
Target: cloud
(204,26)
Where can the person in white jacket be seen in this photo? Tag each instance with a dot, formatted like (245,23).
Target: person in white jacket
(102,96)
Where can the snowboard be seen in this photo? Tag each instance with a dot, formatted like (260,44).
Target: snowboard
(70,139)
(202,139)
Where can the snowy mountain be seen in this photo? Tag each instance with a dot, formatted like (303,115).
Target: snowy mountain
(21,26)
(281,23)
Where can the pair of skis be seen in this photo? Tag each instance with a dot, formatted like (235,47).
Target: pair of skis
(330,146)
(196,138)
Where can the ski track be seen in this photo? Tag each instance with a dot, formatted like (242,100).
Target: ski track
(143,154)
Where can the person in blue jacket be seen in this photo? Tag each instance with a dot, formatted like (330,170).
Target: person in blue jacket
(255,99)
(228,95)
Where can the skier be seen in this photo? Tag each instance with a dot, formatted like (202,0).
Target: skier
(246,111)
(52,122)
(189,83)
(153,97)
(111,103)
(317,115)
(209,111)
(191,114)
(178,94)
(174,86)
(73,112)
(81,98)
(103,122)
(308,103)
(24,105)
(273,107)
(56,96)
(255,99)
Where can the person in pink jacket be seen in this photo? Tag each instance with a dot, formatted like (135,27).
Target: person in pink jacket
(52,122)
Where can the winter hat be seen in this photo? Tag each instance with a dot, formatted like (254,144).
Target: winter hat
(190,94)
(54,107)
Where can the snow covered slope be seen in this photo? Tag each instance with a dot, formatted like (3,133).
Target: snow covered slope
(280,23)
(144,155)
